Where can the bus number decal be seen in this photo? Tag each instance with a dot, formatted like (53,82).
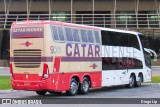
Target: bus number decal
(55,49)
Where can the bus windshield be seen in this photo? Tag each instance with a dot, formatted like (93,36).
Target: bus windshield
(144,41)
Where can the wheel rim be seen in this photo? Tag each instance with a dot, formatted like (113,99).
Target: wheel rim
(85,86)
(131,81)
(74,87)
(139,80)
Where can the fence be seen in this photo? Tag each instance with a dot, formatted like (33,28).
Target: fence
(124,21)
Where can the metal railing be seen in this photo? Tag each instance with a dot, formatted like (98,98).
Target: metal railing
(124,21)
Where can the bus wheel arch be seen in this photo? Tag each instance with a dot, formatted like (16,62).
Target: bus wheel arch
(43,92)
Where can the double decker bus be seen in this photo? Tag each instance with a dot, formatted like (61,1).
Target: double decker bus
(51,56)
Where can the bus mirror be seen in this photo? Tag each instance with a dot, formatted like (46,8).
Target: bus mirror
(152,53)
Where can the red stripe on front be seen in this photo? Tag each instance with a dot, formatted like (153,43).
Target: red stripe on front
(27,37)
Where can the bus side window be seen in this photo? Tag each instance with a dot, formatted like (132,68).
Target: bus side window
(55,33)
(75,35)
(147,59)
(68,34)
(123,39)
(84,36)
(109,63)
(96,34)
(61,34)
(90,36)
(134,41)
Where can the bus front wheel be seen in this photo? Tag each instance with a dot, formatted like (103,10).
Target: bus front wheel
(140,80)
(41,92)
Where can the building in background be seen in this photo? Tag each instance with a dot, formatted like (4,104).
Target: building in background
(137,15)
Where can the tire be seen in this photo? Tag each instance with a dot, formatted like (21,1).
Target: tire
(51,92)
(131,81)
(140,80)
(73,87)
(41,92)
(84,88)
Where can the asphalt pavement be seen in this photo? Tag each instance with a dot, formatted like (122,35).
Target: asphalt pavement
(145,91)
(6,71)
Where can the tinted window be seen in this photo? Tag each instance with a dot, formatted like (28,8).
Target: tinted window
(84,35)
(133,41)
(68,34)
(144,41)
(123,39)
(109,63)
(129,63)
(97,36)
(147,59)
(90,36)
(119,39)
(55,33)
(121,63)
(113,39)
(105,38)
(61,34)
(76,35)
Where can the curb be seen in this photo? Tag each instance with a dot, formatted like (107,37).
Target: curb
(155,67)
(150,83)
(5,74)
(4,67)
(7,91)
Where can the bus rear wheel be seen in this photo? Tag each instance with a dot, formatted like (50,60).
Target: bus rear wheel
(73,87)
(84,88)
(41,92)
(139,82)
(131,81)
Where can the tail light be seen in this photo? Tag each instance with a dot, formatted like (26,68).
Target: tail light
(45,72)
(11,70)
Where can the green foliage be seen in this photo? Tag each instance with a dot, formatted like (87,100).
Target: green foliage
(5,83)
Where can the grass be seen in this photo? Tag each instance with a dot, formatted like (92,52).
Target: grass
(155,79)
(5,83)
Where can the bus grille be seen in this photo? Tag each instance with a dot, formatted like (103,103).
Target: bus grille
(27,58)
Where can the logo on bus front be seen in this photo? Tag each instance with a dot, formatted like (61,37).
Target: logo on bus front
(27,43)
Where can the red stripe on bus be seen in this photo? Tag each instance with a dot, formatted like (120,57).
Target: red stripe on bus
(57,61)
(28,37)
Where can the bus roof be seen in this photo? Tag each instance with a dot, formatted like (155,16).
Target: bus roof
(30,22)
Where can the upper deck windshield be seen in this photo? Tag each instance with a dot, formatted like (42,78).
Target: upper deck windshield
(144,41)
(145,44)
(27,32)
